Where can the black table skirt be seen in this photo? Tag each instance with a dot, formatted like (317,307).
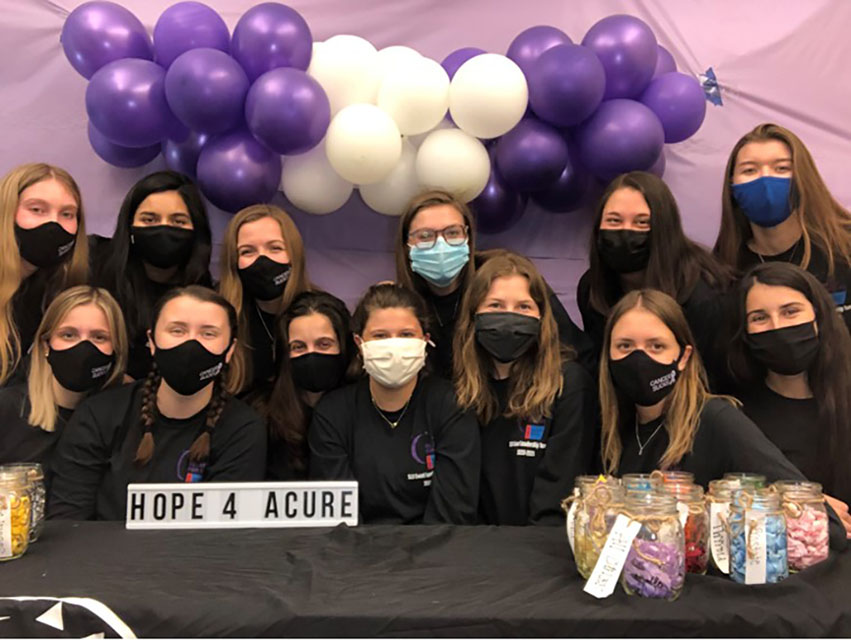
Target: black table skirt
(393,581)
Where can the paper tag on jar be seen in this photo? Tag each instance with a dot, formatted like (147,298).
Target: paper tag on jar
(609,565)
(571,521)
(5,528)
(755,547)
(719,542)
(682,512)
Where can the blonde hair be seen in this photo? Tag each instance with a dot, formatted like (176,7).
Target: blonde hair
(71,272)
(43,408)
(687,399)
(230,287)
(536,377)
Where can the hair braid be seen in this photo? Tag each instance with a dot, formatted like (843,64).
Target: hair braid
(200,449)
(145,450)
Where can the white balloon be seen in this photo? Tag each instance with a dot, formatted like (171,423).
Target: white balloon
(390,58)
(392,195)
(418,139)
(363,143)
(416,95)
(346,67)
(488,95)
(310,182)
(314,51)
(454,161)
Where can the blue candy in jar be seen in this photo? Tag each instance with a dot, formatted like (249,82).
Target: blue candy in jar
(749,508)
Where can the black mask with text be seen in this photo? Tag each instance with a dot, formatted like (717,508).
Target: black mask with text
(81,368)
(189,367)
(265,279)
(162,246)
(506,335)
(643,380)
(624,250)
(46,245)
(787,351)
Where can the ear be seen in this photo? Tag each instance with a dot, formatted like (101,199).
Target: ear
(358,340)
(150,341)
(427,338)
(229,353)
(687,350)
(815,326)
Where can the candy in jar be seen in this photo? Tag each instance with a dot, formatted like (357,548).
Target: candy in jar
(718,501)
(677,477)
(14,514)
(572,504)
(757,537)
(746,480)
(694,519)
(638,482)
(807,529)
(35,477)
(601,503)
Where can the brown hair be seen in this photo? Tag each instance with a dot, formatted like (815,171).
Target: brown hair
(536,378)
(389,296)
(823,220)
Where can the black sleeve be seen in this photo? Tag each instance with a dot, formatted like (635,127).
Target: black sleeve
(242,453)
(454,494)
(573,336)
(329,442)
(593,323)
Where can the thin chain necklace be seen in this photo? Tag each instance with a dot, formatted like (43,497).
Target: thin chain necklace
(272,337)
(437,313)
(641,447)
(392,424)
(791,259)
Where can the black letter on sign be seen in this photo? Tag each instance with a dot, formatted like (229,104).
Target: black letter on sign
(159,506)
(271,505)
(289,510)
(328,504)
(137,504)
(196,505)
(346,508)
(177,500)
(230,506)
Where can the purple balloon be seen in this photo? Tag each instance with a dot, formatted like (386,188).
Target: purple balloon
(287,111)
(126,102)
(499,206)
(454,60)
(97,33)
(531,43)
(679,102)
(206,89)
(182,155)
(566,193)
(566,84)
(118,156)
(627,48)
(658,168)
(531,156)
(621,136)
(188,25)
(664,62)
(271,35)
(234,171)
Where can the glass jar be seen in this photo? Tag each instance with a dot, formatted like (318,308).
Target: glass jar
(572,504)
(640,482)
(746,480)
(679,477)
(655,566)
(35,476)
(602,500)
(757,537)
(14,514)
(694,519)
(718,501)
(807,529)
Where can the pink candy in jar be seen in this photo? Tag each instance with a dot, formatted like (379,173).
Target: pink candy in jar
(807,536)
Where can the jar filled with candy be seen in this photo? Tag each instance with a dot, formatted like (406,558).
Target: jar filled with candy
(694,519)
(746,480)
(807,534)
(640,482)
(757,537)
(718,500)
(677,477)
(602,500)
(14,514)
(35,477)
(655,565)
(572,504)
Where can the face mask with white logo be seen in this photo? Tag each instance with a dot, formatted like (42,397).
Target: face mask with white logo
(394,361)
(642,379)
(189,367)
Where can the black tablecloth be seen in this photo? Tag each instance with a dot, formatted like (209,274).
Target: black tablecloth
(393,581)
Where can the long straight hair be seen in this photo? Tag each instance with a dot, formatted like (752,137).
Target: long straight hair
(824,222)
(829,375)
(70,272)
(676,263)
(536,378)
(43,407)
(230,286)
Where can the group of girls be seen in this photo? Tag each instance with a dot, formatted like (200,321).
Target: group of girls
(460,392)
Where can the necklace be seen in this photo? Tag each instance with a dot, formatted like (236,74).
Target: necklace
(437,313)
(642,447)
(791,259)
(392,424)
(272,337)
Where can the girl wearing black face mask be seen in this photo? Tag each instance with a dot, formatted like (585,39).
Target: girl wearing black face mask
(791,357)
(262,271)
(80,348)
(42,251)
(638,241)
(535,405)
(178,425)
(161,240)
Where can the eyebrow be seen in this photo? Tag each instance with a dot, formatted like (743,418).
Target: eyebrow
(747,162)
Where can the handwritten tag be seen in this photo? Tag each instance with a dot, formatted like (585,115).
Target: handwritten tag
(755,544)
(719,543)
(5,528)
(609,565)
(682,512)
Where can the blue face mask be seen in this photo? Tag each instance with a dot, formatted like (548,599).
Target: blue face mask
(441,263)
(765,200)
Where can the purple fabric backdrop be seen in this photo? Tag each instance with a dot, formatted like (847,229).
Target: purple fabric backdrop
(777,60)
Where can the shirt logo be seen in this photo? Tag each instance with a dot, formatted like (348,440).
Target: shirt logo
(534,432)
(188,471)
(839,297)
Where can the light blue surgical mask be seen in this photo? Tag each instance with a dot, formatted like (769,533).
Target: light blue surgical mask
(441,263)
(765,200)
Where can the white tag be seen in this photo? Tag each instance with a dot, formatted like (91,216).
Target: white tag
(682,511)
(719,542)
(755,543)
(606,572)
(571,522)
(6,529)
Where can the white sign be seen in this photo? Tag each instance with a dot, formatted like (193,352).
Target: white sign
(223,505)
(755,547)
(604,577)
(719,512)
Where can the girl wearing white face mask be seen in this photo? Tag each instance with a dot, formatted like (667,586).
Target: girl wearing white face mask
(398,431)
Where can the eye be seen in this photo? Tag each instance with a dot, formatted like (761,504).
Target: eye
(247,251)
(297,347)
(791,311)
(493,305)
(69,215)
(210,334)
(408,333)
(784,167)
(326,343)
(656,347)
(66,335)
(525,306)
(643,222)
(757,317)
(177,331)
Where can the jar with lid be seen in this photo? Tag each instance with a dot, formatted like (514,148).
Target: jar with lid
(757,537)
(14,514)
(35,476)
(807,528)
(718,500)
(694,519)
(602,500)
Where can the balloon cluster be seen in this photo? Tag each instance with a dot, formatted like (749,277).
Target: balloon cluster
(268,106)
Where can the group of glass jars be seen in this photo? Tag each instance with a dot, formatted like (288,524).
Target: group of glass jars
(22,498)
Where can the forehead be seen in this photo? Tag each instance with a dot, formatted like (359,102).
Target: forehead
(639,324)
(763,151)
(394,317)
(311,325)
(510,286)
(193,312)
(263,229)
(766,296)
(85,315)
(50,190)
(626,200)
(163,202)
(436,216)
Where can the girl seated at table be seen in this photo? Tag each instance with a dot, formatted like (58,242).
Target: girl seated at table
(535,404)
(177,425)
(398,431)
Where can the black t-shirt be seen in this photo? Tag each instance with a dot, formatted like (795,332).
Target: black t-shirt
(28,305)
(529,467)
(93,463)
(426,470)
(263,347)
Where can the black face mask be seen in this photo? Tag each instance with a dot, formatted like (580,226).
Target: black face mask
(506,335)
(81,368)
(624,250)
(787,351)
(317,372)
(45,245)
(162,246)
(642,380)
(264,279)
(189,367)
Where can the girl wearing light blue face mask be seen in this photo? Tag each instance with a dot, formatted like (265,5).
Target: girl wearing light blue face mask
(776,207)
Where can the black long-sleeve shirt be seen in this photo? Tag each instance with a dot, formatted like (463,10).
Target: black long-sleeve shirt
(426,470)
(528,468)
(93,463)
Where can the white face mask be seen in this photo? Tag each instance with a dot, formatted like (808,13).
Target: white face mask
(393,361)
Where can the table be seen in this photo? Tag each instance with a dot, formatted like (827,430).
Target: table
(393,581)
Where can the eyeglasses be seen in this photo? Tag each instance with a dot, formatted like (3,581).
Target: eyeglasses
(454,235)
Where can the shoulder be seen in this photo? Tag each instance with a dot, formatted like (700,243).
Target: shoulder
(436,391)
(112,403)
(721,415)
(575,378)
(340,401)
(583,289)
(13,394)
